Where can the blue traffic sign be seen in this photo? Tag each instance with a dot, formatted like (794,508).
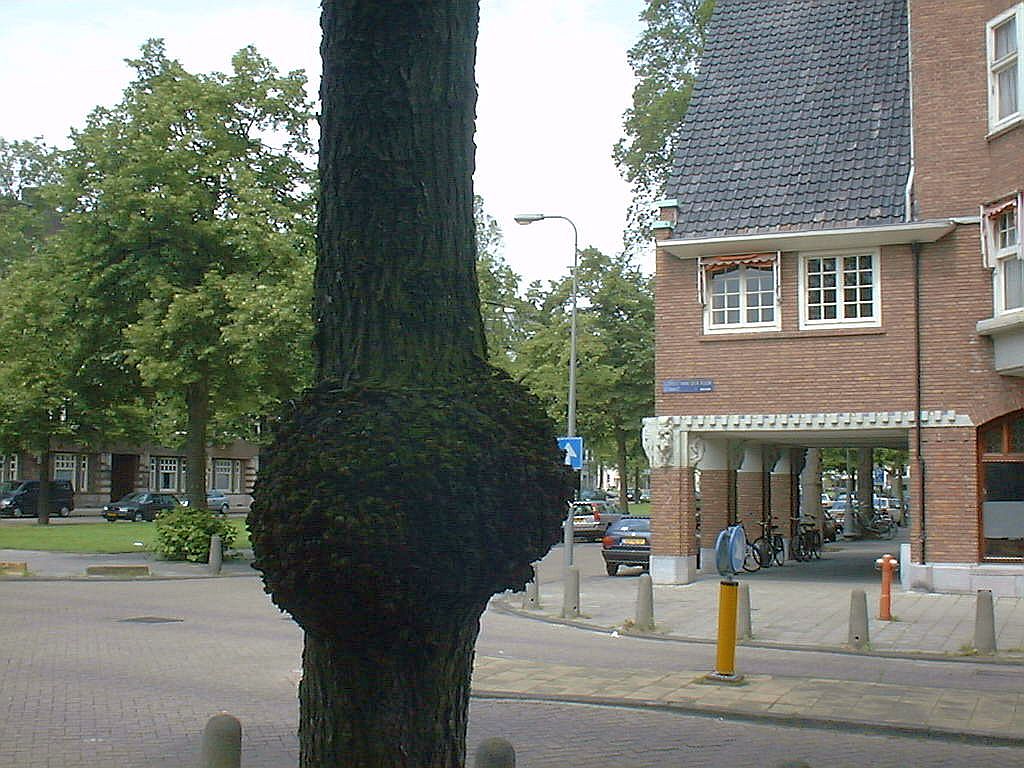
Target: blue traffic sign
(573,448)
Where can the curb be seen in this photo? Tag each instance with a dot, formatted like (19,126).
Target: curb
(821,723)
(502,605)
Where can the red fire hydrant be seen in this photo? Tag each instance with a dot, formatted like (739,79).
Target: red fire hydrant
(887,564)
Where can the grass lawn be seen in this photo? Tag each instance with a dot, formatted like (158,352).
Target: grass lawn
(94,538)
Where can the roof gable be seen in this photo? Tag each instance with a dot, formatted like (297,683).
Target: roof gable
(800,119)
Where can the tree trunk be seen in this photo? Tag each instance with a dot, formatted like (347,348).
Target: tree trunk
(393,709)
(620,449)
(865,485)
(43,499)
(413,481)
(396,167)
(197,403)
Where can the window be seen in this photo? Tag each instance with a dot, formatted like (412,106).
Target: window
(839,290)
(1001,238)
(166,474)
(227,475)
(740,292)
(72,467)
(1005,35)
(9,467)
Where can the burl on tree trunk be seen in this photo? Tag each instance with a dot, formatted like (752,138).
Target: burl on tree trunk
(414,480)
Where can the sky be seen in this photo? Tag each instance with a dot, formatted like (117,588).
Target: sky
(552,74)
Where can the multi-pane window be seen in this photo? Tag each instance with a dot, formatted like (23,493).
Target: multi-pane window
(840,289)
(1005,36)
(72,467)
(1002,488)
(227,475)
(741,293)
(9,467)
(1001,234)
(167,474)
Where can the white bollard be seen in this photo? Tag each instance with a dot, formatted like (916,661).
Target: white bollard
(216,555)
(984,623)
(743,630)
(645,604)
(571,600)
(494,753)
(858,637)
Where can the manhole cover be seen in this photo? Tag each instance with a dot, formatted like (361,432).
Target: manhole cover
(150,620)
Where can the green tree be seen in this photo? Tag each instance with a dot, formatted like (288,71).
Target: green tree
(28,170)
(501,305)
(664,61)
(615,354)
(188,212)
(408,435)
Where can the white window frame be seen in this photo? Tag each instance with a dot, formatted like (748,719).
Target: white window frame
(705,277)
(999,255)
(875,321)
(9,467)
(160,467)
(1014,60)
(73,467)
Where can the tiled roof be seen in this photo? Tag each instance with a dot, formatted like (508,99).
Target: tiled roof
(800,119)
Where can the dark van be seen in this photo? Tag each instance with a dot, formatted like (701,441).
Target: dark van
(21,498)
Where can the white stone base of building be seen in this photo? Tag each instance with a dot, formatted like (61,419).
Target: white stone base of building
(1004,579)
(669,569)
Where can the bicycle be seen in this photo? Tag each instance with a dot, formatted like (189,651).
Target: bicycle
(806,545)
(751,556)
(770,544)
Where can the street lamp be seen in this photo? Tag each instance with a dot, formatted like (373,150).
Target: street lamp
(529,218)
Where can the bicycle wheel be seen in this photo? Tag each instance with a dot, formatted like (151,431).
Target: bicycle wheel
(798,548)
(814,547)
(889,530)
(752,559)
(763,549)
(778,549)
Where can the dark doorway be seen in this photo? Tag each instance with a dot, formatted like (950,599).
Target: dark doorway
(124,469)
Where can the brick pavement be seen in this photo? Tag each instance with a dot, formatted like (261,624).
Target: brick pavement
(71,677)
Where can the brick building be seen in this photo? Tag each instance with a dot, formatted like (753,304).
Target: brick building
(839,264)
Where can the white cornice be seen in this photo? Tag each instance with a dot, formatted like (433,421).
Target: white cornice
(811,240)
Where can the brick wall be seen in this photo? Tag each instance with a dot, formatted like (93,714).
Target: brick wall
(714,504)
(750,502)
(951,501)
(957,167)
(673,521)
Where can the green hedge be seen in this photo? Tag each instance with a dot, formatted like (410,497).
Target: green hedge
(184,534)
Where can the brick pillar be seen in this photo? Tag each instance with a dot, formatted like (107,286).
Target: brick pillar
(673,526)
(750,491)
(715,480)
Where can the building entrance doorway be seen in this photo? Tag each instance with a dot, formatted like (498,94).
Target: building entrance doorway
(124,469)
(1001,476)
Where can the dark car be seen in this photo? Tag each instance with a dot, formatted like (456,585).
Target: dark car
(627,542)
(139,506)
(21,498)
(590,519)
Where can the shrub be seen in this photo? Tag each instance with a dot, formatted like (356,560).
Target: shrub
(184,534)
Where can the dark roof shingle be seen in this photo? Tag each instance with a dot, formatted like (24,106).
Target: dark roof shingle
(800,119)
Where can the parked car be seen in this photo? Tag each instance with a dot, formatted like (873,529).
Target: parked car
(627,542)
(645,496)
(139,506)
(593,494)
(20,498)
(216,501)
(590,519)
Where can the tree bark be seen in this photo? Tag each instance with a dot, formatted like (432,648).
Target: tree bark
(396,289)
(43,499)
(197,403)
(396,708)
(620,450)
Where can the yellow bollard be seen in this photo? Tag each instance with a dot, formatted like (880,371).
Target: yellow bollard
(725,661)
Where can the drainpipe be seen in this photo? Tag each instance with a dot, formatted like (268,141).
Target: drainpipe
(918,398)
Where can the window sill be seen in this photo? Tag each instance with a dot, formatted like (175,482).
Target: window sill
(995,133)
(1001,323)
(815,334)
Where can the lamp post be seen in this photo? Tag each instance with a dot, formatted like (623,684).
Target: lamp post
(529,218)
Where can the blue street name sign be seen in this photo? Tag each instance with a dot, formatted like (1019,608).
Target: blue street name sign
(677,386)
(573,448)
